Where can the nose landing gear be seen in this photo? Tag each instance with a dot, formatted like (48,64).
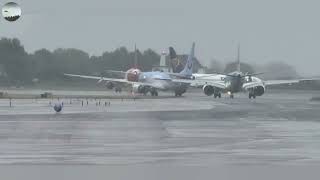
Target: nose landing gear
(252,95)
(217,95)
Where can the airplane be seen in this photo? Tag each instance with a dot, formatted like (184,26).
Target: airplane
(175,64)
(144,82)
(234,82)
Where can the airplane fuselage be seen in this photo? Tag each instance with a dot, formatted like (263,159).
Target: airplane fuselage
(161,81)
(234,82)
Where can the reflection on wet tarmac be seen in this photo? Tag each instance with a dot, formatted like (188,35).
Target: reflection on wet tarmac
(275,129)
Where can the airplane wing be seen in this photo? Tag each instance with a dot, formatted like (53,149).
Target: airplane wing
(249,85)
(113,71)
(274,82)
(100,79)
(278,82)
(199,76)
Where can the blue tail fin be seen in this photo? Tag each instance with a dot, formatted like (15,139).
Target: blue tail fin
(187,71)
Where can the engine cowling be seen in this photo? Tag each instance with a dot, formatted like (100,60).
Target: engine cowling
(259,90)
(208,90)
(110,85)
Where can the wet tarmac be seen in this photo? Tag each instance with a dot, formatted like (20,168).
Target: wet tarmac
(278,129)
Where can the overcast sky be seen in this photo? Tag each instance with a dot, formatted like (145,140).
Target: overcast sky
(270,30)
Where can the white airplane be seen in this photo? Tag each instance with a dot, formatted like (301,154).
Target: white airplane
(144,82)
(215,84)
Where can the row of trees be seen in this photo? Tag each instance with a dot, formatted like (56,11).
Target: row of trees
(19,67)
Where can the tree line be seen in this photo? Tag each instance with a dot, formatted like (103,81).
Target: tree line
(17,67)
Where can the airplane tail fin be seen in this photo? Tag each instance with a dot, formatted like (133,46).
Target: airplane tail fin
(187,71)
(174,61)
(135,61)
(172,53)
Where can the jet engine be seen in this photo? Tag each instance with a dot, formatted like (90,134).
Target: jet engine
(259,90)
(208,90)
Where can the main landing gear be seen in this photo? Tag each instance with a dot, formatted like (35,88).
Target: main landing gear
(230,94)
(118,89)
(179,91)
(217,95)
(252,95)
(154,92)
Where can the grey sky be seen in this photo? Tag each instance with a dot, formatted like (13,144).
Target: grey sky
(269,30)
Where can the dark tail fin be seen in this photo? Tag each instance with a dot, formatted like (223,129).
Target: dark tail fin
(172,53)
(174,62)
